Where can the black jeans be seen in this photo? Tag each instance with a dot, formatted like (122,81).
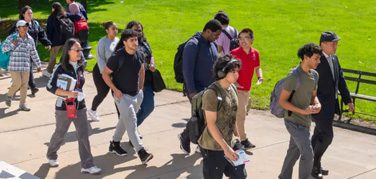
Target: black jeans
(102,88)
(321,139)
(215,165)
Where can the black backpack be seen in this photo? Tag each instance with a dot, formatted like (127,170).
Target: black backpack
(66,27)
(178,61)
(196,123)
(234,41)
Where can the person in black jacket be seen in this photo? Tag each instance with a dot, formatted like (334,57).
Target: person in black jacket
(37,33)
(55,34)
(331,80)
(72,68)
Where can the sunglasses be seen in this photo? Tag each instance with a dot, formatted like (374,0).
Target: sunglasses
(77,49)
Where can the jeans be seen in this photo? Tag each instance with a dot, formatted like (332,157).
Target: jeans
(147,105)
(299,146)
(215,165)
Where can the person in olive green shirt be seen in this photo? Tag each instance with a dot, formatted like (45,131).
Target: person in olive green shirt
(215,141)
(304,102)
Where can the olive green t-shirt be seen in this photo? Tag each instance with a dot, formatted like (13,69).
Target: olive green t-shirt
(303,94)
(226,115)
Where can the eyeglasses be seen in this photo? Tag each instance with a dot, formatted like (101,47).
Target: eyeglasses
(114,28)
(77,49)
(245,38)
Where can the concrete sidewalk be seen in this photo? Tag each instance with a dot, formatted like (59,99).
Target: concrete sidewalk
(24,137)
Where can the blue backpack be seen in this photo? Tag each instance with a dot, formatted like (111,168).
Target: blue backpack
(275,108)
(4,58)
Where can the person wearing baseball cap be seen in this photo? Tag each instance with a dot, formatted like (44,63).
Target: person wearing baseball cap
(331,81)
(21,48)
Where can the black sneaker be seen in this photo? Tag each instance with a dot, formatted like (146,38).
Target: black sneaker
(247,144)
(184,145)
(34,91)
(116,148)
(8,101)
(144,156)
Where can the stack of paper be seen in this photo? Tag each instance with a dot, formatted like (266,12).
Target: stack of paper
(65,82)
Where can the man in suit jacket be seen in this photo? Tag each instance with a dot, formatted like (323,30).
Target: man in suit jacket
(331,80)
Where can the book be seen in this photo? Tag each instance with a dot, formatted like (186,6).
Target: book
(66,82)
(242,158)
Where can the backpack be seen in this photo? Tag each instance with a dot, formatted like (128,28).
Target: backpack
(4,58)
(66,27)
(275,108)
(178,61)
(234,41)
(196,123)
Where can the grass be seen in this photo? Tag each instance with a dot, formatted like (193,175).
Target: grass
(280,27)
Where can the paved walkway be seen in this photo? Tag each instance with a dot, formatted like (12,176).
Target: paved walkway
(24,137)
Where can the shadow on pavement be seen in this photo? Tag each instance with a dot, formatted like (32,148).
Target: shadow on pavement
(72,136)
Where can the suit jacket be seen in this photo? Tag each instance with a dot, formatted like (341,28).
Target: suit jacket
(328,87)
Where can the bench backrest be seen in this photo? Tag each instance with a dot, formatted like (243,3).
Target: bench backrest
(361,77)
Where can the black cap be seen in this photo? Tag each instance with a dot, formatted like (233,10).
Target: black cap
(329,37)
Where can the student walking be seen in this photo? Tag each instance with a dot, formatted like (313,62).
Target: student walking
(106,46)
(124,74)
(38,34)
(22,48)
(298,111)
(215,141)
(72,66)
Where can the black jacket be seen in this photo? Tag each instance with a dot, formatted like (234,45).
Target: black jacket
(35,31)
(79,76)
(328,87)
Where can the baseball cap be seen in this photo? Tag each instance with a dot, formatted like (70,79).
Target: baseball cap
(329,37)
(21,23)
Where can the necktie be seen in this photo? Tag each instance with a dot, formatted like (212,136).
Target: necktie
(330,61)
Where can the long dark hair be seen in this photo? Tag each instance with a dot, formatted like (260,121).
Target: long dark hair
(23,10)
(58,9)
(64,60)
(141,35)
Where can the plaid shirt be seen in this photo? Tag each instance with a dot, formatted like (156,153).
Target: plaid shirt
(20,53)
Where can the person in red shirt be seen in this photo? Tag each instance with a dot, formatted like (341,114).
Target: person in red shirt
(250,60)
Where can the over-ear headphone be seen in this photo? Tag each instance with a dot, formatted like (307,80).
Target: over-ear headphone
(222,73)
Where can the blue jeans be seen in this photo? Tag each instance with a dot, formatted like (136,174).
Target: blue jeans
(147,105)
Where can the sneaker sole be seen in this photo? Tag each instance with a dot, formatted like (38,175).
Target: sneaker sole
(148,159)
(96,173)
(181,146)
(121,155)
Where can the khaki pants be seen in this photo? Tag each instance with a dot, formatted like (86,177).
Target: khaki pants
(243,99)
(53,53)
(19,82)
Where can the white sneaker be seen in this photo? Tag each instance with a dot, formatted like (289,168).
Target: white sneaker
(92,170)
(53,163)
(46,73)
(93,115)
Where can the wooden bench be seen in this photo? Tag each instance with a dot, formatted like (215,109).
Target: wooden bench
(358,77)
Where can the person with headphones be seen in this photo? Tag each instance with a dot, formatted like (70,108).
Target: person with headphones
(250,59)
(215,140)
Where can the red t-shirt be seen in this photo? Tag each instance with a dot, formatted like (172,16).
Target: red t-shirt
(249,62)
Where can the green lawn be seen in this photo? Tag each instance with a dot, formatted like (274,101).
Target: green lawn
(280,27)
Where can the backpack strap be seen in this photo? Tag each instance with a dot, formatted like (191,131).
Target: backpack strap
(227,34)
(297,85)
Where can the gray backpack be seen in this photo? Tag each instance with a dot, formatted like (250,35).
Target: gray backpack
(275,108)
